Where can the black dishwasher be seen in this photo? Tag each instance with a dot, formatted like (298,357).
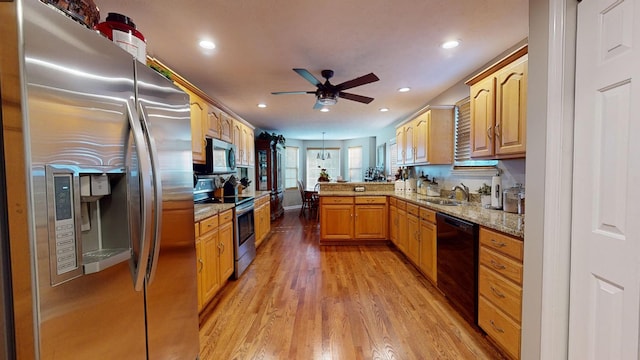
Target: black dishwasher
(458,264)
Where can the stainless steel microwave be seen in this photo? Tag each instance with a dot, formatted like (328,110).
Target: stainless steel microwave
(221,158)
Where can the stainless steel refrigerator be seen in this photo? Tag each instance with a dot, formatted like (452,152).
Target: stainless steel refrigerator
(109,201)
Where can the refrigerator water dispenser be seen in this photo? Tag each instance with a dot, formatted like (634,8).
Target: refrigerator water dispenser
(89,228)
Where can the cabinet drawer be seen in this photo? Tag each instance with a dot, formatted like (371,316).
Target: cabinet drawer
(505,244)
(401,204)
(336,199)
(260,201)
(499,327)
(413,209)
(502,293)
(226,216)
(208,224)
(501,264)
(393,201)
(371,199)
(428,215)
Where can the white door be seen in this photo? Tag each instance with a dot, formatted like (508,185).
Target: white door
(605,250)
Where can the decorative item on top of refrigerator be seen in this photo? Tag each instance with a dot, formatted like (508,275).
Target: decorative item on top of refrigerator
(122,30)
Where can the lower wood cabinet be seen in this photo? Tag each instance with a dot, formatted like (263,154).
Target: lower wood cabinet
(421,239)
(214,252)
(413,234)
(500,289)
(346,218)
(262,219)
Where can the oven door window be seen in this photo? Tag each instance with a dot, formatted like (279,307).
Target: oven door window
(245,226)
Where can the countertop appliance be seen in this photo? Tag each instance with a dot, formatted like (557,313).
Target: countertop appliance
(457,248)
(109,201)
(513,199)
(244,240)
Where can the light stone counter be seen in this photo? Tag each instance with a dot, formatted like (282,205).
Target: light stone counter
(203,211)
(508,223)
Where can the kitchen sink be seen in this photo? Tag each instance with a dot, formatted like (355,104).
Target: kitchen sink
(445,202)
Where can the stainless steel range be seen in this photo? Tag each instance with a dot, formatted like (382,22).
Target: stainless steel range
(244,241)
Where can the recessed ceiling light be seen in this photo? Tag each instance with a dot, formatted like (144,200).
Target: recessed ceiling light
(206,44)
(261,105)
(404,89)
(450,44)
(324,109)
(384,109)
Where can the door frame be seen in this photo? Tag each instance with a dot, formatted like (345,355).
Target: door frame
(547,255)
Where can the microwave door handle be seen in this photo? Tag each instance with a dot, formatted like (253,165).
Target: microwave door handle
(139,266)
(157,192)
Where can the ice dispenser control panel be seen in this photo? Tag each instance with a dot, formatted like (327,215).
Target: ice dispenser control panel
(65,237)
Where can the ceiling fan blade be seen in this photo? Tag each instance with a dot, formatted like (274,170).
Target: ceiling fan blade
(354,97)
(317,106)
(307,75)
(292,92)
(365,79)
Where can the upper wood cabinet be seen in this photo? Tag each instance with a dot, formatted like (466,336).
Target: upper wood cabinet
(212,127)
(499,108)
(244,140)
(428,138)
(226,127)
(199,109)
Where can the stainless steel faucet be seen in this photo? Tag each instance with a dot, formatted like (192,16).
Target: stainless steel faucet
(463,188)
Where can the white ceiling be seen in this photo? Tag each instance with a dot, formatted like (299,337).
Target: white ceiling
(260,42)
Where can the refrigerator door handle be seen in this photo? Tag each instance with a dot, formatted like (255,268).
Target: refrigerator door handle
(139,266)
(154,252)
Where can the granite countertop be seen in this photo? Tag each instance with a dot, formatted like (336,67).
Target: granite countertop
(508,223)
(203,211)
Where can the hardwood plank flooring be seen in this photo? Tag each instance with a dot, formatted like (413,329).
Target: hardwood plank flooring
(302,301)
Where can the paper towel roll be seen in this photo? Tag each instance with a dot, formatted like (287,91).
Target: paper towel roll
(496,192)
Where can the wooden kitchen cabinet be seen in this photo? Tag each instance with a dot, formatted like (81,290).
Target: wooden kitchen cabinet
(349,218)
(199,120)
(214,252)
(262,218)
(403,233)
(500,289)
(428,244)
(370,217)
(433,137)
(428,138)
(393,221)
(413,234)
(243,138)
(226,127)
(336,218)
(213,122)
(499,107)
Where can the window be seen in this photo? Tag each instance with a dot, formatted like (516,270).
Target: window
(331,162)
(462,151)
(291,167)
(355,163)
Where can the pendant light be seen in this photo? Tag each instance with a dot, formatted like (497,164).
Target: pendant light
(322,156)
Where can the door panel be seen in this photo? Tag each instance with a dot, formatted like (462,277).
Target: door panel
(604,318)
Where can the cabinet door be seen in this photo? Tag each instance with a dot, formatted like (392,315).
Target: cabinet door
(211,276)
(370,222)
(511,108)
(403,232)
(421,137)
(413,235)
(200,274)
(400,146)
(336,222)
(482,117)
(393,225)
(198,116)
(238,137)
(226,127)
(428,250)
(225,241)
(250,145)
(409,146)
(213,122)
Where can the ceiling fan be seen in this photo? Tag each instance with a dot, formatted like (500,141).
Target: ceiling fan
(327,93)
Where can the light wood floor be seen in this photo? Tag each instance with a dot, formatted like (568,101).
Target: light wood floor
(302,301)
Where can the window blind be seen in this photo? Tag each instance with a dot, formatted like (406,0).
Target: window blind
(463,130)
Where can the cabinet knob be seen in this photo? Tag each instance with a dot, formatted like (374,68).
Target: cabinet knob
(497,243)
(497,130)
(201,265)
(496,328)
(497,265)
(497,292)
(489,132)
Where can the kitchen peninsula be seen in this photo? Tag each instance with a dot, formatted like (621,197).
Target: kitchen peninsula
(482,257)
